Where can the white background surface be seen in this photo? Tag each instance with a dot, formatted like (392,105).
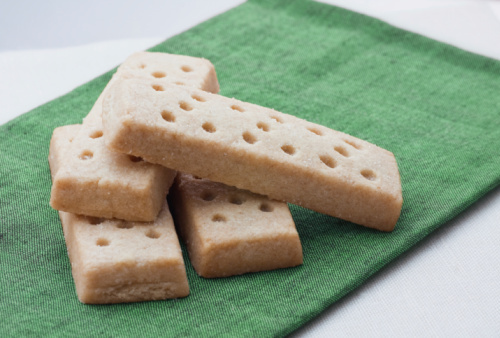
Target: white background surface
(449,285)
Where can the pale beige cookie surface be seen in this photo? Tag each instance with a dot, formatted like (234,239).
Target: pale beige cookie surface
(115,261)
(177,69)
(255,148)
(170,68)
(97,182)
(229,231)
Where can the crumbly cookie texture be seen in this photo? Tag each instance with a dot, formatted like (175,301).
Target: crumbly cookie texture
(97,182)
(229,231)
(116,261)
(255,148)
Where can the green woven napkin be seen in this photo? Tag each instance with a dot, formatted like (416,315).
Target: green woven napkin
(434,106)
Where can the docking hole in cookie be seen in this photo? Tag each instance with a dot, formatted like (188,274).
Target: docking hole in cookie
(198,98)
(158,88)
(208,196)
(124,225)
(86,155)
(353,144)
(236,200)
(102,242)
(152,234)
(208,127)
(368,174)
(218,218)
(238,108)
(168,116)
(288,149)
(249,138)
(315,131)
(135,158)
(96,134)
(159,75)
(263,126)
(185,106)
(341,150)
(328,161)
(266,207)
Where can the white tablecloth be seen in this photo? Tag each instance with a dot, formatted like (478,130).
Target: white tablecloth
(449,285)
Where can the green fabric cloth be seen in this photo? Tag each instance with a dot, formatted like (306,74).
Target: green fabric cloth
(434,106)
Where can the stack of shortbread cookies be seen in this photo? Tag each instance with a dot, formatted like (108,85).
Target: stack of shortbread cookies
(230,168)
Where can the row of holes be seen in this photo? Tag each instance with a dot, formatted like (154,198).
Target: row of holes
(105,242)
(264,207)
(187,107)
(251,139)
(88,155)
(210,196)
(160,74)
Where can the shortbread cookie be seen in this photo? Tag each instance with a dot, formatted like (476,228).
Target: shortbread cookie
(94,181)
(229,231)
(176,69)
(115,261)
(255,148)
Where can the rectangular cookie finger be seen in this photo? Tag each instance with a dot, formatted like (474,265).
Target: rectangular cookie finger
(229,231)
(255,148)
